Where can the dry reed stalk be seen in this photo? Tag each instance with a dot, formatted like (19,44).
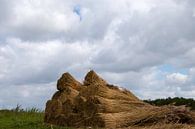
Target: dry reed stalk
(99,104)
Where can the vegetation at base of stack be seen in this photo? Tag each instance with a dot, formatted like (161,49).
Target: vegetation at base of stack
(177,101)
(19,118)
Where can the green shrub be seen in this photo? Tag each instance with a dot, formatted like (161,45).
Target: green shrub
(174,101)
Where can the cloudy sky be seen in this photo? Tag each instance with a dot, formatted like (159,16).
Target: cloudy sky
(146,46)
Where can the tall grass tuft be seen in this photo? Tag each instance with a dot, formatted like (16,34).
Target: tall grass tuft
(19,108)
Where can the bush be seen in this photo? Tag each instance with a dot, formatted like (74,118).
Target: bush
(177,101)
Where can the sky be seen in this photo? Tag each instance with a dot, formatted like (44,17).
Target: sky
(146,46)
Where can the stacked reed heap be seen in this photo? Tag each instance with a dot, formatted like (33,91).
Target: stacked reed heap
(99,104)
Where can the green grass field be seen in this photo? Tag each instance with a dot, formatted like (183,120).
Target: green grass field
(29,119)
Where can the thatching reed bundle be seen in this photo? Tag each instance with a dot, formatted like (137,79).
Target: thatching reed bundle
(93,78)
(98,104)
(67,80)
(68,93)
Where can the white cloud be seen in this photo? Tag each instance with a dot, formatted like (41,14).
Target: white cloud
(177,77)
(27,13)
(41,62)
(26,95)
(125,41)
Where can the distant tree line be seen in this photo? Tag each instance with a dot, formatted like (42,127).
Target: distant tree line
(177,101)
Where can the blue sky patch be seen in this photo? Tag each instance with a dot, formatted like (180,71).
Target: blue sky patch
(171,69)
(77,10)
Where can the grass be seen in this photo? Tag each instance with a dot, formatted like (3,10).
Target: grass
(24,119)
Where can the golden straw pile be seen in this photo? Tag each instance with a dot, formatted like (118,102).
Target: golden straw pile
(96,103)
